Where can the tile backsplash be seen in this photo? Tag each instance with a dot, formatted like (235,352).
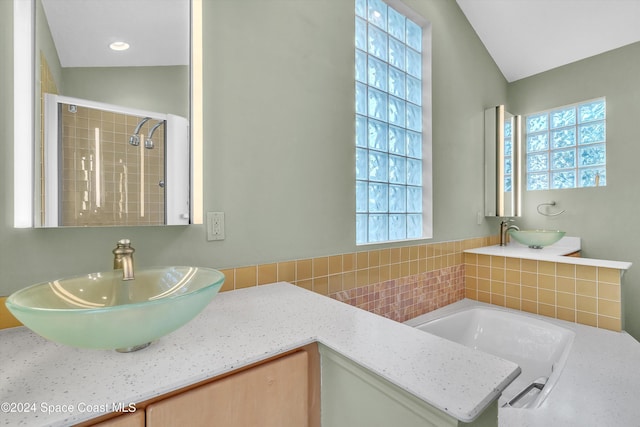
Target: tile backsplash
(576,293)
(405,282)
(398,283)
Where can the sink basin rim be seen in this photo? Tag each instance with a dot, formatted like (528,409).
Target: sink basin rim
(111,315)
(544,237)
(12,300)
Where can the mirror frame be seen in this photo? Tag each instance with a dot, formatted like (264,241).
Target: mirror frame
(24,114)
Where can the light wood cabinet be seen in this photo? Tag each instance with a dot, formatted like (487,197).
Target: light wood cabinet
(279,392)
(272,394)
(135,419)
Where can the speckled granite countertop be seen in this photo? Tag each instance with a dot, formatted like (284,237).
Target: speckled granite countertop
(553,253)
(237,329)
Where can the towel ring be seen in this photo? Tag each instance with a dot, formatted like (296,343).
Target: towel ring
(551,203)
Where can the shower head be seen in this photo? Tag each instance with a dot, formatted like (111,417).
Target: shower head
(148,143)
(135,138)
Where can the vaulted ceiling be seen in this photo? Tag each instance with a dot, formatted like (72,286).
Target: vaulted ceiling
(527,37)
(524,37)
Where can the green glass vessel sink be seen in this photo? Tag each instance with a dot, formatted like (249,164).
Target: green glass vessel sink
(536,239)
(102,311)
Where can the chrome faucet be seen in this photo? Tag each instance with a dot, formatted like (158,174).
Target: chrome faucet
(123,258)
(504,228)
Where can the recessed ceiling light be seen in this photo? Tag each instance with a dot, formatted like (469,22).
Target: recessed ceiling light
(119,46)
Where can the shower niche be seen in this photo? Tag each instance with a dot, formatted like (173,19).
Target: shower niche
(110,165)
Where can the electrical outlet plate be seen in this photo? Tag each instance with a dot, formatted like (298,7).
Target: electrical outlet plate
(215,226)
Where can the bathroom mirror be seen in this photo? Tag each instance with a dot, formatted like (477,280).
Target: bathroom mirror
(133,153)
(502,142)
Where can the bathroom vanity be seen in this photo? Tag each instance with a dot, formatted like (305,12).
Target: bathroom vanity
(240,339)
(279,392)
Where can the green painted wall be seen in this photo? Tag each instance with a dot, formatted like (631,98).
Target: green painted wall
(278,146)
(606,218)
(279,155)
(159,89)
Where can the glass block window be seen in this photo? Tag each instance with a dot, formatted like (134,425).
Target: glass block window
(566,147)
(388,60)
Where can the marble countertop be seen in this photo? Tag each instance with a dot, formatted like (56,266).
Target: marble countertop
(553,253)
(64,385)
(599,385)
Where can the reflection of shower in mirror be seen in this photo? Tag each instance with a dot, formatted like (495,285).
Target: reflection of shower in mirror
(148,143)
(96,172)
(135,138)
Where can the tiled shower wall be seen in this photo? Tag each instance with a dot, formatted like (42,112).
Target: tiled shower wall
(47,85)
(124,196)
(127,190)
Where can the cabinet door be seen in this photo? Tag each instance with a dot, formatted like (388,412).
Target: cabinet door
(273,394)
(130,420)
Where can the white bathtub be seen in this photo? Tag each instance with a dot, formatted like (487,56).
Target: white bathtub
(539,347)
